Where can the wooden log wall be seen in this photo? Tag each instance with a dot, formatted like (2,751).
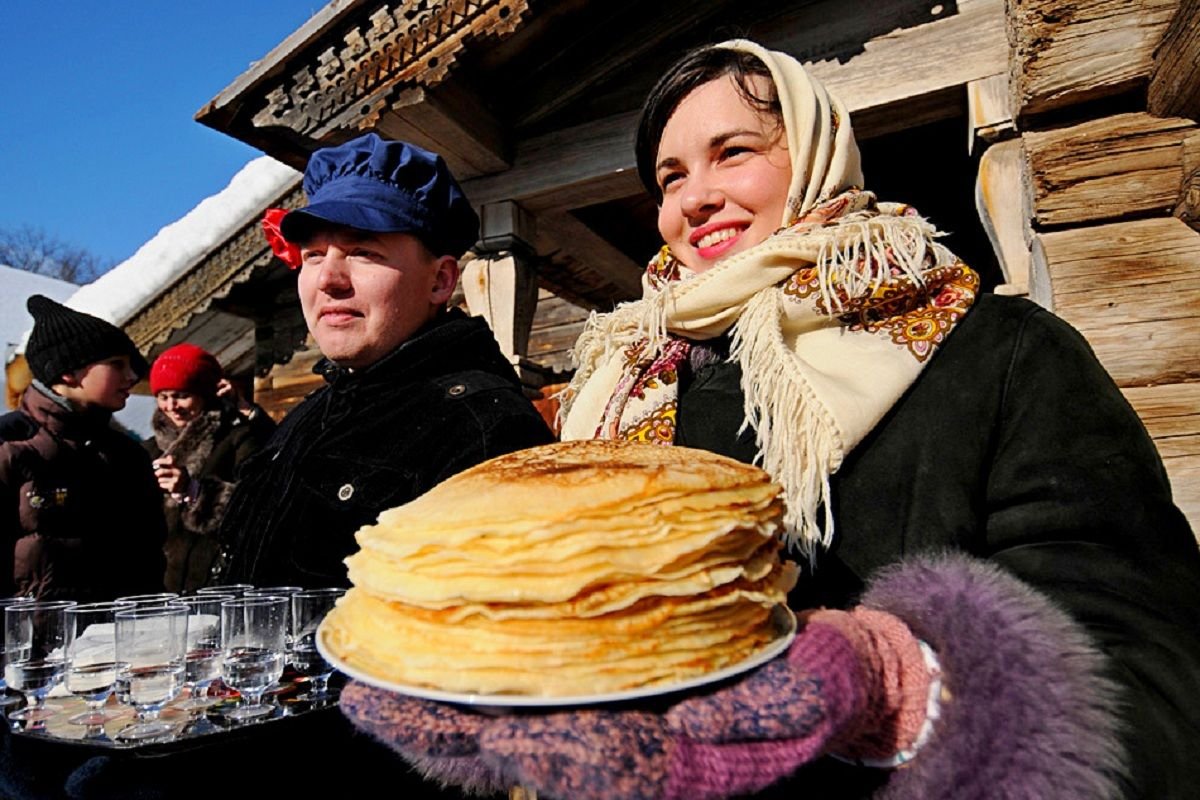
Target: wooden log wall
(1105,95)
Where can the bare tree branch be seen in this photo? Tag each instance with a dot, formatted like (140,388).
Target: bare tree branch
(34,250)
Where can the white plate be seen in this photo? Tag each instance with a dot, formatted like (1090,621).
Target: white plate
(783,619)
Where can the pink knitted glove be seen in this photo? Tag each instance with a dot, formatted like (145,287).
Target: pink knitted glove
(440,741)
(853,683)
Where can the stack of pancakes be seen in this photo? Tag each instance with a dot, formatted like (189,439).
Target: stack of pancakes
(572,569)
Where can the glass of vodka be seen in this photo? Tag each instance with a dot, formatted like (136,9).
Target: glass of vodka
(92,657)
(35,654)
(152,654)
(204,655)
(253,630)
(309,607)
(7,699)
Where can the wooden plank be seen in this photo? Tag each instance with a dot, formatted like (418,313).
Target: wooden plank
(1066,52)
(1171,414)
(554,311)
(1133,290)
(1187,208)
(1105,169)
(1174,89)
(1005,218)
(882,85)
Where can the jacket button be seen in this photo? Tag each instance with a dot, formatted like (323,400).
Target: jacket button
(346,492)
(456,390)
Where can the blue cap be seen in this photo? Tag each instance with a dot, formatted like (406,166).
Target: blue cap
(384,186)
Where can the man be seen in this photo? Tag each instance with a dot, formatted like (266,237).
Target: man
(414,392)
(80,514)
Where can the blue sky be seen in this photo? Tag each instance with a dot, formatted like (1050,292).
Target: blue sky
(97,142)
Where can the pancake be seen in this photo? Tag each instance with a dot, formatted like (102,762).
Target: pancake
(567,570)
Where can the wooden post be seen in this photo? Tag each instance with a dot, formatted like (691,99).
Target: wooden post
(502,288)
(1005,217)
(500,284)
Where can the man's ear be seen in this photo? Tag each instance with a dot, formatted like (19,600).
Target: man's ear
(444,280)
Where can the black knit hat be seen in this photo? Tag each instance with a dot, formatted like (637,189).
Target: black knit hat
(63,340)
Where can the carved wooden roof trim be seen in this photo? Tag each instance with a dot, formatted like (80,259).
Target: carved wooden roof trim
(210,278)
(401,45)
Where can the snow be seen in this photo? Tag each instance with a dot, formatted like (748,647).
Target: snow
(120,293)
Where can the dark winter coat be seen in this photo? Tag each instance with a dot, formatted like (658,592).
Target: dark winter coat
(1014,446)
(81,512)
(369,440)
(211,447)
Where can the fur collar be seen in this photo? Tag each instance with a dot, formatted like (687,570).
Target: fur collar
(192,444)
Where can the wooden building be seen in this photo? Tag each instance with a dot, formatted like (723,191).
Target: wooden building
(1055,140)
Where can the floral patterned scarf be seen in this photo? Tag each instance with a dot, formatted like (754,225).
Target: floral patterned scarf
(832,318)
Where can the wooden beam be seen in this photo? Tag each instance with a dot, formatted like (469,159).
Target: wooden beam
(884,84)
(1005,219)
(1106,169)
(1064,53)
(1171,414)
(1187,208)
(1174,89)
(564,232)
(448,121)
(567,168)
(896,81)
(1133,290)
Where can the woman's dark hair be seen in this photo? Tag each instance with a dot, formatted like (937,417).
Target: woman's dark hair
(695,69)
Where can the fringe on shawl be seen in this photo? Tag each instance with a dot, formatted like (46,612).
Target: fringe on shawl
(861,252)
(799,444)
(605,334)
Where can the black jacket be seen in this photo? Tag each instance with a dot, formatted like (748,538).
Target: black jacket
(1014,445)
(211,447)
(369,440)
(80,514)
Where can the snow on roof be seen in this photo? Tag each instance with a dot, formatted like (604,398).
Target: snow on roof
(125,289)
(16,285)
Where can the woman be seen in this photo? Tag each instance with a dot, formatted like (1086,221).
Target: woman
(199,441)
(958,462)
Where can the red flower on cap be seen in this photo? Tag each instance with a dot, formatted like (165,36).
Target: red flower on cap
(284,250)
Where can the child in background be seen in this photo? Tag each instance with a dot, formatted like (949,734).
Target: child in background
(80,512)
